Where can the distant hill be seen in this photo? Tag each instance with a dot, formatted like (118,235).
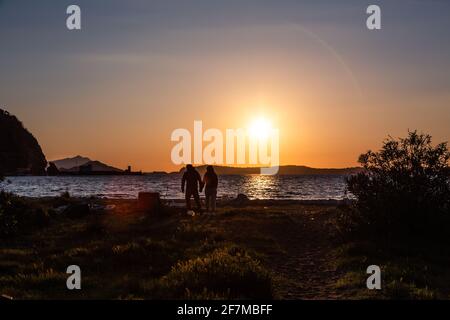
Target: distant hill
(20,152)
(284,170)
(98,166)
(69,163)
(74,164)
(304,170)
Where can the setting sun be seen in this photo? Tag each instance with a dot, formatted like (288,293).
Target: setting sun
(260,128)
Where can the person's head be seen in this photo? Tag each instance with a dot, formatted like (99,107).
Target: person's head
(210,169)
(189,167)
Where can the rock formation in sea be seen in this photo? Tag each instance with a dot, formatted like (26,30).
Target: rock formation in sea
(52,170)
(20,152)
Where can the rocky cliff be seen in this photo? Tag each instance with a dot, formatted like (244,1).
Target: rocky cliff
(20,152)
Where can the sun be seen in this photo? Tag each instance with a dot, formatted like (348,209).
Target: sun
(260,128)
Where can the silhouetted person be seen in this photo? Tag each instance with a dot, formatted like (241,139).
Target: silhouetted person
(210,181)
(193,183)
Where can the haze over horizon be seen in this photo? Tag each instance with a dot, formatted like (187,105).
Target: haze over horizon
(137,70)
(85,159)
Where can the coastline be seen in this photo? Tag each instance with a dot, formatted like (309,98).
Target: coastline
(177,202)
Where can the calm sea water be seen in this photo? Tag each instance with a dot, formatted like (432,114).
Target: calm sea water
(128,187)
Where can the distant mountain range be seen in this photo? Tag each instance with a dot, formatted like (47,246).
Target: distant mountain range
(70,165)
(284,170)
(74,164)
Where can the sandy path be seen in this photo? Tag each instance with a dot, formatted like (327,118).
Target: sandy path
(307,272)
(297,248)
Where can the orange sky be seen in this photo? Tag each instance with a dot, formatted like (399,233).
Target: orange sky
(116,90)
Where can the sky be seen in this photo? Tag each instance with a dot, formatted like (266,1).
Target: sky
(115,90)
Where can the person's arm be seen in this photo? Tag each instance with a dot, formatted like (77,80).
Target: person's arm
(199,178)
(216,181)
(183,181)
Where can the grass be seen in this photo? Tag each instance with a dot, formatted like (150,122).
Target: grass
(228,272)
(407,273)
(128,255)
(281,251)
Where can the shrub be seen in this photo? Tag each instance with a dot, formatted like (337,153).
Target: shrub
(143,252)
(17,214)
(399,290)
(404,190)
(225,273)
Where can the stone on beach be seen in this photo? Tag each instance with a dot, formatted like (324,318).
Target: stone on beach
(149,201)
(240,200)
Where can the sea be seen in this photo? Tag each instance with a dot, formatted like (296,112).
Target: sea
(283,187)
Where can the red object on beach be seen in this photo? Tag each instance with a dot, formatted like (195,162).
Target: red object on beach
(149,201)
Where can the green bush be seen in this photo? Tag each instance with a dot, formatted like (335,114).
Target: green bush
(144,253)
(18,214)
(403,191)
(400,290)
(228,273)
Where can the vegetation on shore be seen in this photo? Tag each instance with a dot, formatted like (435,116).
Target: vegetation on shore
(124,254)
(256,250)
(400,220)
(282,251)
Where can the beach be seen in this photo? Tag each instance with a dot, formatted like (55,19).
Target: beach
(292,240)
(263,249)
